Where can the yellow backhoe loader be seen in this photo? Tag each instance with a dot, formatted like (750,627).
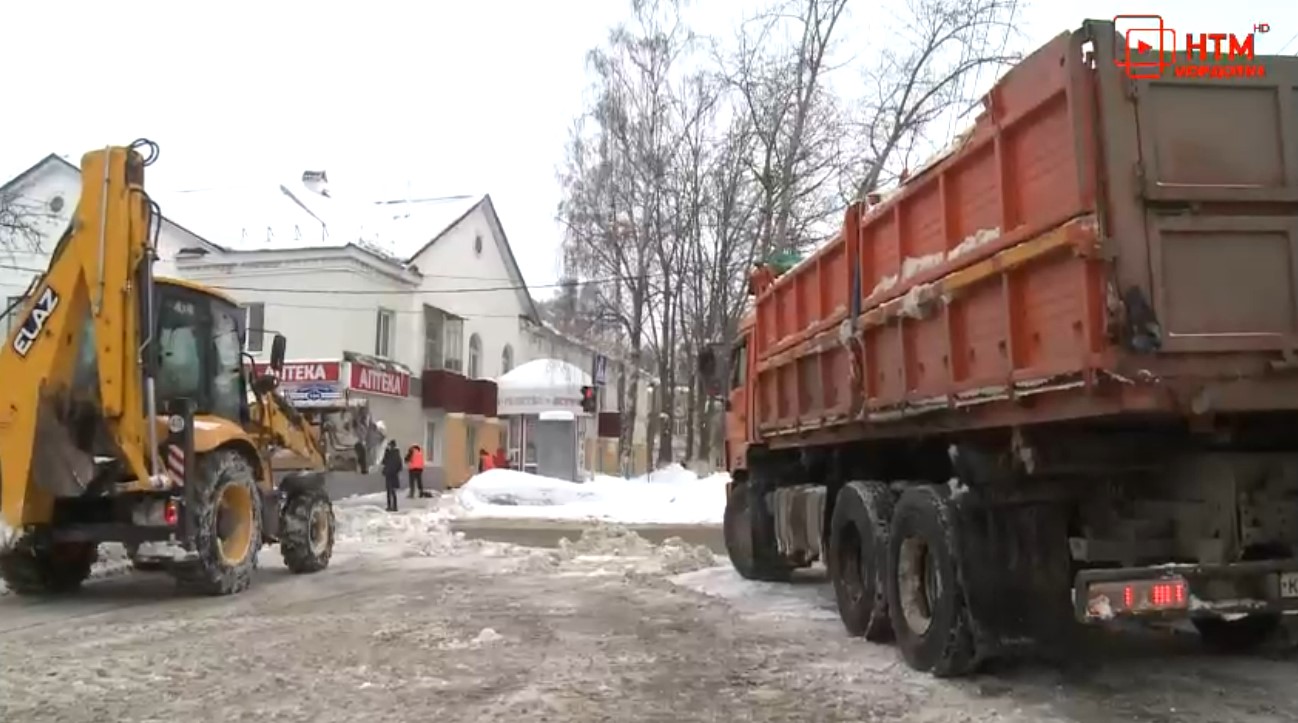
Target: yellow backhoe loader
(129,413)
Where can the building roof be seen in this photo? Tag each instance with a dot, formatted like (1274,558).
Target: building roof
(296,215)
(58,161)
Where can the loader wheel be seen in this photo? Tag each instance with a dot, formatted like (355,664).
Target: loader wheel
(751,544)
(307,531)
(858,558)
(926,596)
(57,569)
(227,528)
(1236,636)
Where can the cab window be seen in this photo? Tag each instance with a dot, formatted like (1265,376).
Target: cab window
(199,353)
(739,364)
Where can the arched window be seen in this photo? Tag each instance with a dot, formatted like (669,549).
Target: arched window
(506,359)
(475,356)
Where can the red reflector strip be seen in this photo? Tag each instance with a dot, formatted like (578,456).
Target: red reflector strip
(176,464)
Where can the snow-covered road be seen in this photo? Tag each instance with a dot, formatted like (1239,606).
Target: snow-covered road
(415,623)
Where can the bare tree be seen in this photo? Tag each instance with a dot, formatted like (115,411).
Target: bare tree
(950,43)
(615,200)
(21,236)
(680,177)
(20,223)
(778,71)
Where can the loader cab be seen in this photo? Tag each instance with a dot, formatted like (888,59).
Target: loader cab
(199,342)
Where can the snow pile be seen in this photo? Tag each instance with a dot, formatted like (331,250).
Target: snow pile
(8,536)
(423,530)
(608,549)
(672,495)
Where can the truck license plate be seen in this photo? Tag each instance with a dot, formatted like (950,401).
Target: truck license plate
(1289,584)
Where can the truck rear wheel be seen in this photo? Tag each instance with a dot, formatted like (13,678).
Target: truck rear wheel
(751,544)
(858,558)
(307,531)
(28,569)
(227,527)
(926,596)
(1236,636)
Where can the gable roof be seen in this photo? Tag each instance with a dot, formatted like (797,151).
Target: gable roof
(32,169)
(295,216)
(503,246)
(60,161)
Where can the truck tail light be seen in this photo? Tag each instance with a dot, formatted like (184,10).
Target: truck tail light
(170,513)
(1105,600)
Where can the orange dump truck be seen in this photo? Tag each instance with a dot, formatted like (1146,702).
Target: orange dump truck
(1053,378)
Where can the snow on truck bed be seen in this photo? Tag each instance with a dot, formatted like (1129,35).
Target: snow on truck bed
(672,495)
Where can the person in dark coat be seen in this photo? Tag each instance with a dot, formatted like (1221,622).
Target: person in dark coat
(392,466)
(361,453)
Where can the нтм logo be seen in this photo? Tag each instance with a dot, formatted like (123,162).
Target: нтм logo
(1152,48)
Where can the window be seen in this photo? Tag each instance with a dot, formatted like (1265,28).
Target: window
(443,340)
(198,344)
(383,333)
(506,359)
(475,356)
(739,364)
(471,445)
(434,322)
(254,321)
(13,305)
(453,345)
(430,441)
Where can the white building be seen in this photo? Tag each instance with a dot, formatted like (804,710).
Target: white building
(44,197)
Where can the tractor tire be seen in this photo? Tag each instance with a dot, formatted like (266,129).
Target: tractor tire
(307,528)
(226,531)
(926,594)
(1236,636)
(751,546)
(858,558)
(54,570)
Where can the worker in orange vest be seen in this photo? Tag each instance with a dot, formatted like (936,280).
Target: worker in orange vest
(415,467)
(485,462)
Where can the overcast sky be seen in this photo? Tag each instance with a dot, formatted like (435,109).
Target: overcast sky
(450,97)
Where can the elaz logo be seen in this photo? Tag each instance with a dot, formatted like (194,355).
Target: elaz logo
(35,323)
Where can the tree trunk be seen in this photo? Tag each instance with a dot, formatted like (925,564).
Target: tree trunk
(691,417)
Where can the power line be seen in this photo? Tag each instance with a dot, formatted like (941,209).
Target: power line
(372,309)
(404,292)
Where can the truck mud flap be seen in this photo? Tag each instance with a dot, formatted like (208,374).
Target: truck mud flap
(1016,572)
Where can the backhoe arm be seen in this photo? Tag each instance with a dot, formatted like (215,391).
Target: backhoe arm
(280,426)
(55,395)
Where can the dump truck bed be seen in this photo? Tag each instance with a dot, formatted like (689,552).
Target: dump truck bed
(1094,246)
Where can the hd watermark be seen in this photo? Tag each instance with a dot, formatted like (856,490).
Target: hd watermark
(1153,49)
